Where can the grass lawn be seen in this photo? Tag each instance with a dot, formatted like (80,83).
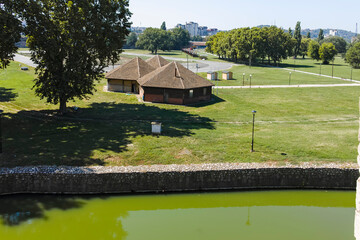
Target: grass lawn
(306,124)
(341,69)
(270,76)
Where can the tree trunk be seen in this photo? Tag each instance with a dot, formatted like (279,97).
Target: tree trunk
(62,109)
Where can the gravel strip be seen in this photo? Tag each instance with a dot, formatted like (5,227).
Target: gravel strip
(169,168)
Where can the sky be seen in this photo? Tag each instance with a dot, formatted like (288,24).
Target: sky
(230,14)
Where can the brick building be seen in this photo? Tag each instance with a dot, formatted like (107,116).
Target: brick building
(157,80)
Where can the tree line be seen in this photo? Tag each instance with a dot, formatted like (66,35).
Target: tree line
(154,39)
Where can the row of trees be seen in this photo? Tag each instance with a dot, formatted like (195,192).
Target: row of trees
(154,39)
(247,44)
(70,41)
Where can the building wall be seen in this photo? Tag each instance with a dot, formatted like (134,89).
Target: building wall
(122,86)
(199,95)
(193,28)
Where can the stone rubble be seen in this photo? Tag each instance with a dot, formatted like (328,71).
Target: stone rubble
(169,168)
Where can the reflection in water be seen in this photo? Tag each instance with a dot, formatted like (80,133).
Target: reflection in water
(267,215)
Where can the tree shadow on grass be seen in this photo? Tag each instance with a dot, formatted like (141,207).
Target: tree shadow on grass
(40,138)
(7,94)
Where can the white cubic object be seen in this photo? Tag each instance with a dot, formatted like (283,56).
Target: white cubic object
(156,128)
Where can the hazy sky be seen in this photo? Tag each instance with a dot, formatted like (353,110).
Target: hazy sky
(229,14)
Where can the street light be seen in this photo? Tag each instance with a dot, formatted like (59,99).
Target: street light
(320,69)
(243,79)
(332,71)
(289,77)
(253,131)
(250,80)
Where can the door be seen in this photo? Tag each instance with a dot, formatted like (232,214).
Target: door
(166,97)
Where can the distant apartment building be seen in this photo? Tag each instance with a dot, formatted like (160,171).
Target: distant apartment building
(193,28)
(203,31)
(182,26)
(212,31)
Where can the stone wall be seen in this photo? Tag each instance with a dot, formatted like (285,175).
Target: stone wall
(99,180)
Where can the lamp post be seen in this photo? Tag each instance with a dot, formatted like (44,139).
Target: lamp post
(289,77)
(320,69)
(332,70)
(243,79)
(351,74)
(250,80)
(294,63)
(253,131)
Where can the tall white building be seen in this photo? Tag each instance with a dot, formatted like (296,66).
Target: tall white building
(193,28)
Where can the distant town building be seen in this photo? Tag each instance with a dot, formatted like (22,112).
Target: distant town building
(193,28)
(332,33)
(212,31)
(203,31)
(182,26)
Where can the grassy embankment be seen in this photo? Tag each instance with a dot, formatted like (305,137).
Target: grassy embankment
(316,124)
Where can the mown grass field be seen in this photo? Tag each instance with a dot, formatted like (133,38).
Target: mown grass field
(262,75)
(341,69)
(292,125)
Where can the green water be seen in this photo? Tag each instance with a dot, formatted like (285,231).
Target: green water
(288,215)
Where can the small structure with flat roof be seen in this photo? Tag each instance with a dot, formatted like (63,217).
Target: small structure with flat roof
(227,75)
(212,75)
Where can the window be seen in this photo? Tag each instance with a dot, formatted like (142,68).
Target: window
(204,91)
(191,93)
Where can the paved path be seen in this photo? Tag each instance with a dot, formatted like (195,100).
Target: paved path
(291,86)
(203,66)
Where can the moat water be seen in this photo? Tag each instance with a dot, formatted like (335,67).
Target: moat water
(280,215)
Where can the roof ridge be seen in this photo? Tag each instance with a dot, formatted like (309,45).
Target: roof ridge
(181,79)
(138,65)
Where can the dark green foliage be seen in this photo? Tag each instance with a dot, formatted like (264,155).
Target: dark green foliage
(290,32)
(313,50)
(72,42)
(247,44)
(297,36)
(197,38)
(131,40)
(321,35)
(304,47)
(308,35)
(339,43)
(10,33)
(154,39)
(353,55)
(180,38)
(163,26)
(327,52)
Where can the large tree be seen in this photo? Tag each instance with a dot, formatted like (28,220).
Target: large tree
(304,47)
(10,33)
(72,42)
(131,40)
(154,39)
(313,50)
(327,52)
(180,38)
(353,55)
(163,26)
(321,35)
(339,43)
(297,36)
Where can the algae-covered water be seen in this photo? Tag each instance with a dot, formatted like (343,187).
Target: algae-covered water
(278,215)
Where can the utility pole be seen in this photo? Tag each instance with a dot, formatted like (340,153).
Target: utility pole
(253,131)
